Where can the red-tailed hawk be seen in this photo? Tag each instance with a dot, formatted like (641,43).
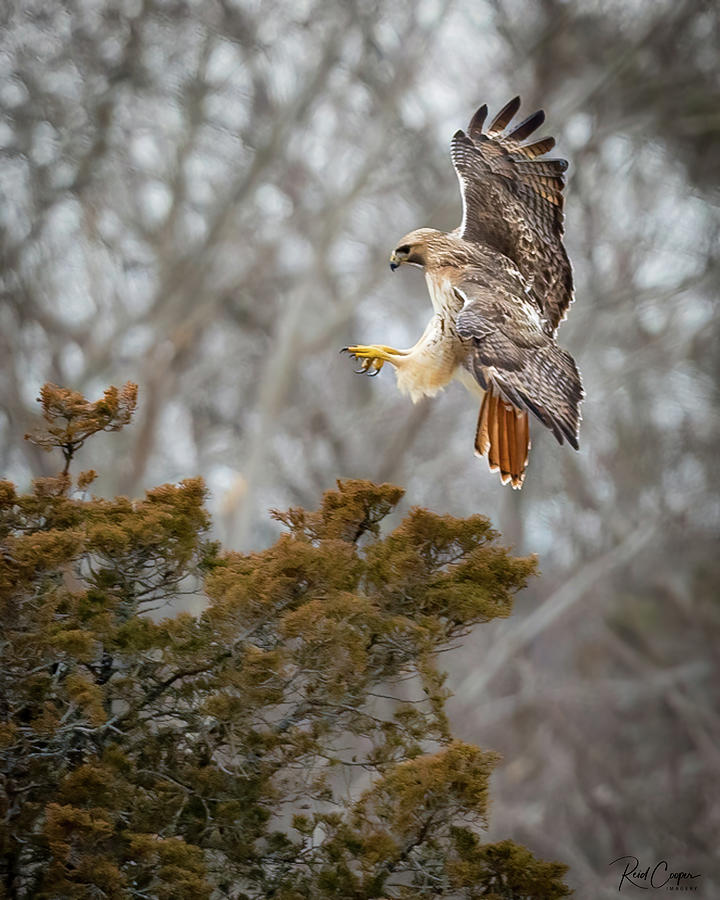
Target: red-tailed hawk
(500,284)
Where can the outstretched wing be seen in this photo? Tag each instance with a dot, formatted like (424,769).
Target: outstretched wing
(511,354)
(513,201)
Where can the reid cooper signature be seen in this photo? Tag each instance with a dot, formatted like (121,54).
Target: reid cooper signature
(657,877)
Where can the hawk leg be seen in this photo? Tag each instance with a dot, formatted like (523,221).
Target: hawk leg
(374,356)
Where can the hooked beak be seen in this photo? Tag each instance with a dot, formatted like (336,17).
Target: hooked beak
(394,262)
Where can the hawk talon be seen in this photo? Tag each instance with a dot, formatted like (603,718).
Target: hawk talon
(370,363)
(370,366)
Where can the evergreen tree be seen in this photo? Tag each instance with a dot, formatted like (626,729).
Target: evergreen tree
(289,742)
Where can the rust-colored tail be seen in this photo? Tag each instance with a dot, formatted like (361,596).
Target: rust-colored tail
(503,434)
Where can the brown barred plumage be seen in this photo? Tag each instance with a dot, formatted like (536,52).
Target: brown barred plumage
(513,202)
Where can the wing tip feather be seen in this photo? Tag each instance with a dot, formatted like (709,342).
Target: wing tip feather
(527,126)
(501,120)
(477,121)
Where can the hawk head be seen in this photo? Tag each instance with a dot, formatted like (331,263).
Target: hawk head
(413,248)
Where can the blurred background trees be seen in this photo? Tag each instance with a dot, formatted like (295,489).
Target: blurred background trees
(202,197)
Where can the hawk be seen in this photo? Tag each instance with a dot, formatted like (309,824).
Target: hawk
(500,284)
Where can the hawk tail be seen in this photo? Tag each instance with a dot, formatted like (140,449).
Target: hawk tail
(503,434)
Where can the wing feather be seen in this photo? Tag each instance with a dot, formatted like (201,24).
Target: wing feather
(509,352)
(478,120)
(527,126)
(530,151)
(513,202)
(499,123)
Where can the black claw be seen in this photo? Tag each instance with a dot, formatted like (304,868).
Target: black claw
(360,371)
(344,350)
(373,373)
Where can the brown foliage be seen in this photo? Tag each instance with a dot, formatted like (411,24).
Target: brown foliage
(289,741)
(71,420)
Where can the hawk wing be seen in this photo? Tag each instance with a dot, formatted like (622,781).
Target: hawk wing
(510,355)
(513,202)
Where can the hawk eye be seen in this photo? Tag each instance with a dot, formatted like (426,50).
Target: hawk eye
(404,250)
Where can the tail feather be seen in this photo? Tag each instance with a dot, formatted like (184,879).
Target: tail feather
(505,451)
(503,435)
(482,436)
(522,425)
(494,429)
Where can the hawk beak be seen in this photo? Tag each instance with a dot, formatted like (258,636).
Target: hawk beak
(394,262)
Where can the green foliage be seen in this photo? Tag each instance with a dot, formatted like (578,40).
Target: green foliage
(502,871)
(290,741)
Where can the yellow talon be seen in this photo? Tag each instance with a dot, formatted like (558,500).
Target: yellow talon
(372,363)
(374,356)
(379,350)
(362,352)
